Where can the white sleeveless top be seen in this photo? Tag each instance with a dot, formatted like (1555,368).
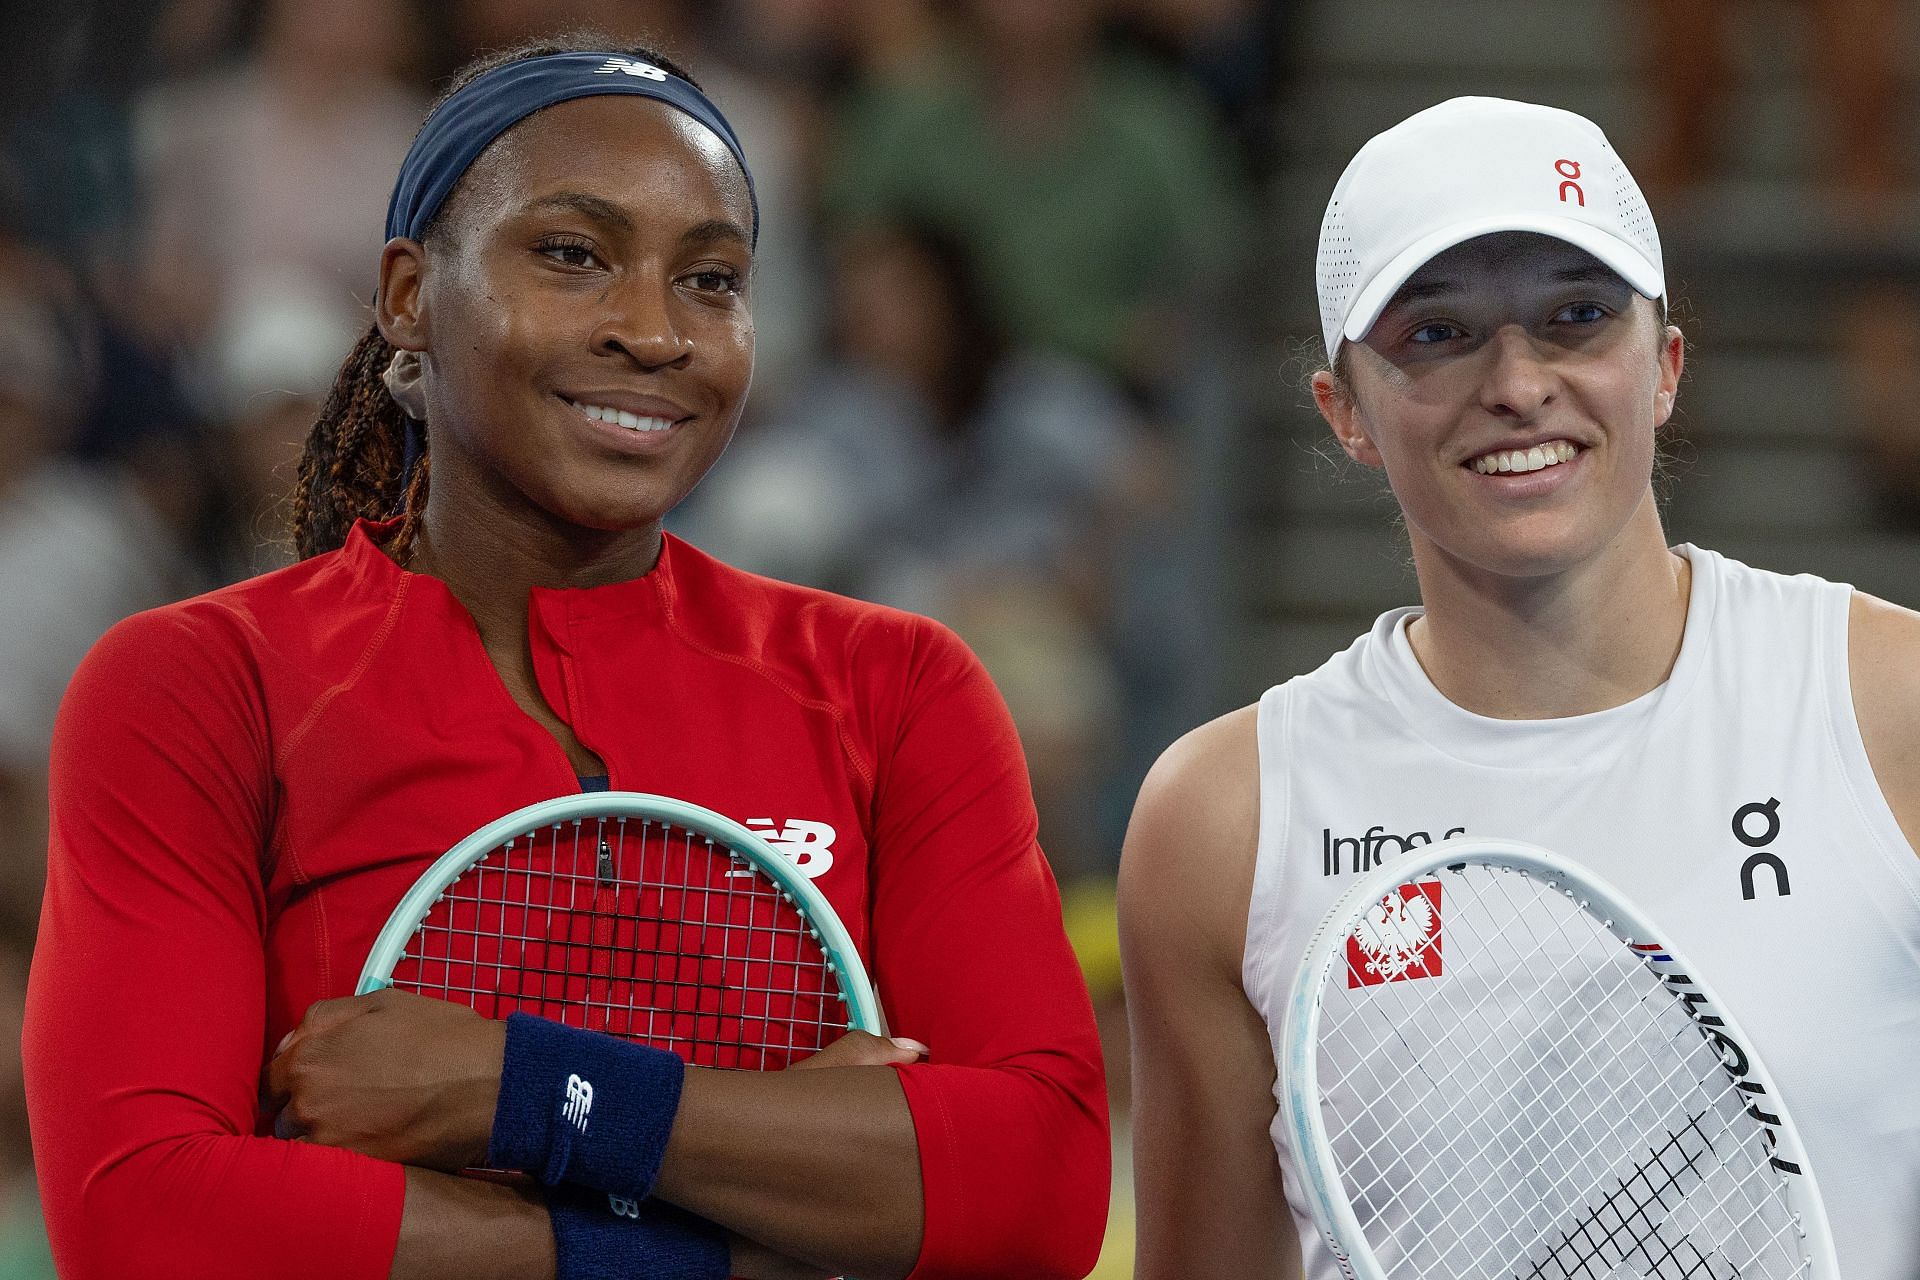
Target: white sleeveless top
(1809,928)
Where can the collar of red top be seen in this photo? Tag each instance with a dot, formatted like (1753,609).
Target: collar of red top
(648,597)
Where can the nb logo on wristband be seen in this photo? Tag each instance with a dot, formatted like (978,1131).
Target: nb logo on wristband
(624,1207)
(579,1102)
(627,66)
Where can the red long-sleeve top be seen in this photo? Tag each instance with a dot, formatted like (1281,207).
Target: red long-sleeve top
(243,785)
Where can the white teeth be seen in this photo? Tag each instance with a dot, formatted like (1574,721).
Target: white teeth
(1519,460)
(620,417)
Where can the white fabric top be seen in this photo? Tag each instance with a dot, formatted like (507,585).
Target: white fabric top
(1364,758)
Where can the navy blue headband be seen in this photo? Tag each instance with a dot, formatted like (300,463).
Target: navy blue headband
(488,105)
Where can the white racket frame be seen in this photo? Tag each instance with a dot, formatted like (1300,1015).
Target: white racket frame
(843,960)
(1299,1065)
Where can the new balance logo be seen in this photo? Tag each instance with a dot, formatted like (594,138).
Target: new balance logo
(627,66)
(579,1102)
(808,845)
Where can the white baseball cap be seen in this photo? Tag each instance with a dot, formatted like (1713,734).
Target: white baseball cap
(1472,167)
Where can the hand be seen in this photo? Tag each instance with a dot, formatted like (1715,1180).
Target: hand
(860,1049)
(397,1076)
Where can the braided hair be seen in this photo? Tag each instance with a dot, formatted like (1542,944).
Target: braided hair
(356,463)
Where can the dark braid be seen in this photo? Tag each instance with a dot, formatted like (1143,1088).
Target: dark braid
(353,465)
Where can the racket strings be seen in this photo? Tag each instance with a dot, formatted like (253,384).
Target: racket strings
(1564,1193)
(641,929)
(1488,1032)
(1582,1249)
(1490,1141)
(1537,1114)
(1521,1106)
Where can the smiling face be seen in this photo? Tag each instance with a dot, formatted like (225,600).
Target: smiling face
(583,317)
(1511,390)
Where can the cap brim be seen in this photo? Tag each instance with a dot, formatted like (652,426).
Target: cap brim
(1619,256)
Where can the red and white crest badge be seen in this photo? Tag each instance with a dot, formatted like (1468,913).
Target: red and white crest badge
(1398,939)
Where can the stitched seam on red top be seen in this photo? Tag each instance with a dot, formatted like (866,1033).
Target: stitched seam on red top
(352,677)
(363,1212)
(959,1187)
(325,700)
(839,717)
(320,939)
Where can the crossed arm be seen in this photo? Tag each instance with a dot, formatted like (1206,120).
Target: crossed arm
(414,1081)
(148,1012)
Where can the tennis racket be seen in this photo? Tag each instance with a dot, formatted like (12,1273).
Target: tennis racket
(1494,1066)
(635,915)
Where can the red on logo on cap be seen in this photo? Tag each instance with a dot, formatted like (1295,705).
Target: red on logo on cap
(1398,939)
(1570,169)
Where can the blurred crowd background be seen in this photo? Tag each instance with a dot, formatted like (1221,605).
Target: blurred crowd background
(1034,300)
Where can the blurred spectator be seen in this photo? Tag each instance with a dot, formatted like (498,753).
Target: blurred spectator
(67,75)
(1092,186)
(1879,327)
(1851,54)
(935,466)
(276,363)
(275,167)
(1231,49)
(79,548)
(266,178)
(1862,180)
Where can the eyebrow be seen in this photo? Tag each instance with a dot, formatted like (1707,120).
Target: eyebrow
(600,209)
(717,230)
(594,207)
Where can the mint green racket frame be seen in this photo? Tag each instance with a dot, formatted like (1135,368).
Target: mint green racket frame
(843,961)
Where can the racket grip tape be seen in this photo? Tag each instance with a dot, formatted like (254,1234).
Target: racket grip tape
(579,1107)
(597,1236)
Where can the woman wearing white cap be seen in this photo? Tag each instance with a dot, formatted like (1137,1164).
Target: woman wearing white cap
(1492,296)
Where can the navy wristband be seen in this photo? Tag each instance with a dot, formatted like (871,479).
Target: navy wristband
(576,1106)
(604,1237)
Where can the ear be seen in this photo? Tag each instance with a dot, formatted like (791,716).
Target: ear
(1673,362)
(399,309)
(1343,415)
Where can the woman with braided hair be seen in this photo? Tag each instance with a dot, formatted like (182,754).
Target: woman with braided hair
(486,613)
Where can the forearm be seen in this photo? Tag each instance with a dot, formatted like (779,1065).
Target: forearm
(458,1228)
(821,1165)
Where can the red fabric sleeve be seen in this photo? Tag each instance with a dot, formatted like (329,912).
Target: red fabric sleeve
(145,1011)
(971,958)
